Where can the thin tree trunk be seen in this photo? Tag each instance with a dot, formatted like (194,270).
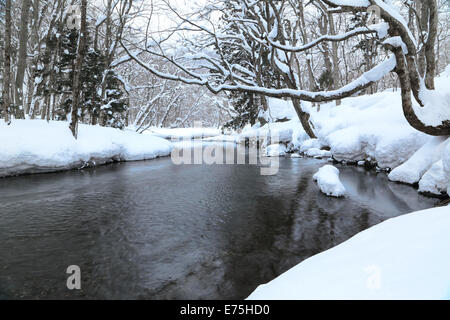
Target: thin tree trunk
(78,67)
(334,57)
(304,118)
(423,22)
(430,54)
(7,63)
(312,80)
(35,41)
(22,62)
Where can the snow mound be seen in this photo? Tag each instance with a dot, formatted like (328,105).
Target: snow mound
(436,107)
(369,126)
(298,136)
(275,150)
(281,131)
(400,258)
(413,169)
(317,153)
(30,146)
(328,180)
(446,164)
(275,132)
(434,180)
(279,109)
(309,144)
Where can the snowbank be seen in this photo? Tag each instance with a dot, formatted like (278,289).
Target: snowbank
(434,180)
(402,258)
(278,131)
(446,165)
(279,109)
(310,144)
(184,133)
(222,138)
(31,146)
(328,180)
(298,136)
(318,153)
(436,102)
(413,169)
(369,129)
(275,150)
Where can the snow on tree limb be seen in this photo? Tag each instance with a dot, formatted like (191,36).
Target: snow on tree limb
(358,84)
(340,37)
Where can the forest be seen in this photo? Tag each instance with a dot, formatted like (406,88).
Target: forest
(300,149)
(131,67)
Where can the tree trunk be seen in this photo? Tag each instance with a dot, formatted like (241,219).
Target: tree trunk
(78,67)
(22,62)
(312,80)
(36,47)
(334,57)
(403,73)
(421,7)
(7,63)
(430,54)
(304,119)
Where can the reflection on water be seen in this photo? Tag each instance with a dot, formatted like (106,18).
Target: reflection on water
(153,230)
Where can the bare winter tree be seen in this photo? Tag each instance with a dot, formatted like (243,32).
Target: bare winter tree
(7,63)
(77,71)
(22,61)
(406,54)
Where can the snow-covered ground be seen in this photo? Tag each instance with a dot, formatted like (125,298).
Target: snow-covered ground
(406,257)
(30,146)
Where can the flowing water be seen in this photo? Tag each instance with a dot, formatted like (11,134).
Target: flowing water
(154,230)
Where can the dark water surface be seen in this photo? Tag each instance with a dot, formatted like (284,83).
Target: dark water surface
(153,230)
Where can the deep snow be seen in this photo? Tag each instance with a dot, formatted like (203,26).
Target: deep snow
(406,257)
(31,146)
(415,167)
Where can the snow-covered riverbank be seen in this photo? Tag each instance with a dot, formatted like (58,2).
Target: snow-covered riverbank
(402,258)
(368,129)
(184,133)
(32,146)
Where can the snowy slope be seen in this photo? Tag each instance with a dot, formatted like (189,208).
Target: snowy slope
(406,257)
(30,146)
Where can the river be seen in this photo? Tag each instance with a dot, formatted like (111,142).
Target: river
(155,230)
